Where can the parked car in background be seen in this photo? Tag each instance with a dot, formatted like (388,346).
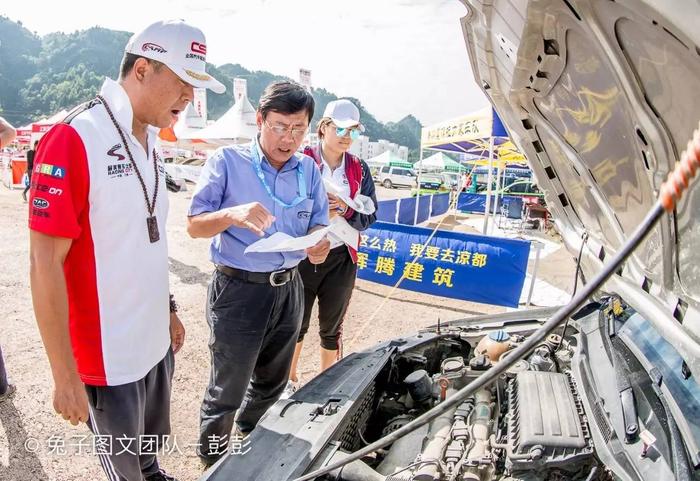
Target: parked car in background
(430,181)
(525,189)
(391,176)
(520,188)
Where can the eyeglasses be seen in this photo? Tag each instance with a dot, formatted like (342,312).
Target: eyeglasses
(281,130)
(353,131)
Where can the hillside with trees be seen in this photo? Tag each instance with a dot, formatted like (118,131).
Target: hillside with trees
(42,75)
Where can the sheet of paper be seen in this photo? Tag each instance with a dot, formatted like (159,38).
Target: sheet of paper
(281,242)
(361,203)
(344,232)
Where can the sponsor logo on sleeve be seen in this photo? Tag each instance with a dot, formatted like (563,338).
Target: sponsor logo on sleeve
(52,170)
(40,203)
(47,189)
(40,213)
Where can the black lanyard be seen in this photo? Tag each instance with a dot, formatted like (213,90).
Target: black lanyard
(151,221)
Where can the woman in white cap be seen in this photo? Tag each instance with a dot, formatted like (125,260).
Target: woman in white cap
(332,282)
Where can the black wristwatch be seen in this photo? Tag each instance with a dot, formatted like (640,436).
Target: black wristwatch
(173,304)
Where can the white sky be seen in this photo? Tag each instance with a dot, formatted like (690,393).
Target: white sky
(396,56)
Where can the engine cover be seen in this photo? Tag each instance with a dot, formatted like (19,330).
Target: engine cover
(546,424)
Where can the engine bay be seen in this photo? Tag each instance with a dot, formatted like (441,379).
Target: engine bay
(530,425)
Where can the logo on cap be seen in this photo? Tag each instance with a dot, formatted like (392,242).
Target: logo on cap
(197,76)
(152,47)
(199,48)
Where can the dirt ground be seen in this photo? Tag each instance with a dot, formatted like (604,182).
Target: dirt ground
(33,437)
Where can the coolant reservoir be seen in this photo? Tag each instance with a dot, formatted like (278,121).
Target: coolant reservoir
(493,345)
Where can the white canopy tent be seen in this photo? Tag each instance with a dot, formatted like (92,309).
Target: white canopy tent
(236,126)
(481,133)
(439,162)
(187,120)
(386,158)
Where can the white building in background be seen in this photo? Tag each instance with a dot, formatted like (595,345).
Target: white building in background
(360,147)
(366,149)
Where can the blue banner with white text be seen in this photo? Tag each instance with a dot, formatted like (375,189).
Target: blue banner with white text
(472,267)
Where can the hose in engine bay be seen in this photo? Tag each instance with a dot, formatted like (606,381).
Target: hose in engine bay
(678,181)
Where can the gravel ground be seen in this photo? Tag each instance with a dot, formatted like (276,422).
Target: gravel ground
(29,429)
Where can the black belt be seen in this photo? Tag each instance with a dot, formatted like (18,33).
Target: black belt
(275,278)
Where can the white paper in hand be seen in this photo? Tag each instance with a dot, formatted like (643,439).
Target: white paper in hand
(364,204)
(344,232)
(281,242)
(361,203)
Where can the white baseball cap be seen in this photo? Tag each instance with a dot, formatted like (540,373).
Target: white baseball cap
(181,47)
(343,113)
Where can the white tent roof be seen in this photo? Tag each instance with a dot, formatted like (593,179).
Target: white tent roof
(236,126)
(191,118)
(182,127)
(384,158)
(437,162)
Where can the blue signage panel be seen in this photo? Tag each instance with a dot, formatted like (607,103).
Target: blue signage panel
(477,203)
(386,210)
(472,267)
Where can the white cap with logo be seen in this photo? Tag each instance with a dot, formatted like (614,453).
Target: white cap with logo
(181,47)
(343,113)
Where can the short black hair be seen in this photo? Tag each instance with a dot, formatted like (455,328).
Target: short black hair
(128,64)
(286,97)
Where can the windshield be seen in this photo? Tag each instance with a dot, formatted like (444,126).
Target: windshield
(663,356)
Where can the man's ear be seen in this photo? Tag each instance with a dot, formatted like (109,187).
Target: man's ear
(259,119)
(141,68)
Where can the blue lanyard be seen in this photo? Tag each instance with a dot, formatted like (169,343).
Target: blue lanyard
(257,165)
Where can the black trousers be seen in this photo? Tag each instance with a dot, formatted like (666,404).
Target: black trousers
(332,283)
(254,329)
(134,417)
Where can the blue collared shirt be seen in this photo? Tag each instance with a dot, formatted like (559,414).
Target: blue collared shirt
(228,179)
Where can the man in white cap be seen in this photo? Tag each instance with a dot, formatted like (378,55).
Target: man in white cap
(99,261)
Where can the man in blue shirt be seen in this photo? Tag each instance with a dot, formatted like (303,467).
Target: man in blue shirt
(256,301)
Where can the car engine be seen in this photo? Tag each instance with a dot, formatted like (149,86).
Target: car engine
(528,426)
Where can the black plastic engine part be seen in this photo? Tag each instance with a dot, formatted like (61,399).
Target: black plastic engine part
(546,425)
(419,386)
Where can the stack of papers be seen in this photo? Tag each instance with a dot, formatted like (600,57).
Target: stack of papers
(361,203)
(281,242)
(339,228)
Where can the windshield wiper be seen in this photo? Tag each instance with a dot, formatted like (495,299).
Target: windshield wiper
(681,464)
(622,373)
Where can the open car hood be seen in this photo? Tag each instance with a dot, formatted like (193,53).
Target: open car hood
(602,98)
